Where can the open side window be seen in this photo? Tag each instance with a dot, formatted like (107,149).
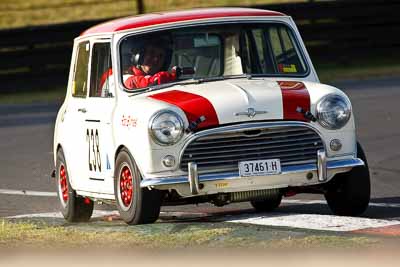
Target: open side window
(101,74)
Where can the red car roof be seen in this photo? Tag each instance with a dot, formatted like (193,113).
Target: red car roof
(175,16)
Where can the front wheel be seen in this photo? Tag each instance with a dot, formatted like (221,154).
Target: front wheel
(74,208)
(136,205)
(348,194)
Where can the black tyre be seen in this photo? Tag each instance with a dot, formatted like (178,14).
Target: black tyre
(266,205)
(136,205)
(74,208)
(348,194)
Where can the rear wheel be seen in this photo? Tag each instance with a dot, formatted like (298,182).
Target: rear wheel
(348,194)
(269,204)
(136,205)
(74,208)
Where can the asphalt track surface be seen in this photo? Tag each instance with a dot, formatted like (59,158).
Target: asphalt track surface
(26,159)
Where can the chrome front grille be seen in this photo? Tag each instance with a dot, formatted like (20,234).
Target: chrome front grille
(221,151)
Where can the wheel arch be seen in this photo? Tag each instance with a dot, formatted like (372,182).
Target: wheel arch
(61,148)
(118,150)
(55,152)
(123,147)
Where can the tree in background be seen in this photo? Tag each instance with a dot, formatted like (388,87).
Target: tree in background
(140,6)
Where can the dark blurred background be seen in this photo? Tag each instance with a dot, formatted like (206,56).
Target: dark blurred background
(345,39)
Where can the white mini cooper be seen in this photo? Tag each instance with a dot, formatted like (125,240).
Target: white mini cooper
(232,112)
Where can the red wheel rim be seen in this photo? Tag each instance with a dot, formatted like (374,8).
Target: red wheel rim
(63,183)
(125,186)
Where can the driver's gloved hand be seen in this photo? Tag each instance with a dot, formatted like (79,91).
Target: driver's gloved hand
(163,77)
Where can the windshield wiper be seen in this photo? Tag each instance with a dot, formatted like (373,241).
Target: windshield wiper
(160,86)
(184,82)
(240,76)
(188,82)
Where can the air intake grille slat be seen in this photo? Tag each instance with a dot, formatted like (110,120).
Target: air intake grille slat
(254,138)
(223,151)
(247,143)
(261,153)
(254,133)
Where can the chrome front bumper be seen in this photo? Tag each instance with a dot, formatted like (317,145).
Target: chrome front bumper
(194,180)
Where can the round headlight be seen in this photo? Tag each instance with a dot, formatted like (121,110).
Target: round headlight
(333,112)
(166,127)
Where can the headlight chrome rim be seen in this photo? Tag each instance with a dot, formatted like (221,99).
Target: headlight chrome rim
(154,136)
(332,97)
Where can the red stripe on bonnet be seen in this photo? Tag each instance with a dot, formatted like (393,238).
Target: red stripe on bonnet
(294,95)
(193,105)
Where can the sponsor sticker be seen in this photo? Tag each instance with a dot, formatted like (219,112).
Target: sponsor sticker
(221,185)
(128,121)
(287,68)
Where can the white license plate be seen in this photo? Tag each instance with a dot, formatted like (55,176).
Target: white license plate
(259,167)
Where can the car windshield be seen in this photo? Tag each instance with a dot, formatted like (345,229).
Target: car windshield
(207,52)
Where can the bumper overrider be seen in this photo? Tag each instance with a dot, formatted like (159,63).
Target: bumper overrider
(299,175)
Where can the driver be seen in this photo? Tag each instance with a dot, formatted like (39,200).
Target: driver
(149,69)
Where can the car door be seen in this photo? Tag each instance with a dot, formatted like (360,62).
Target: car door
(75,115)
(99,156)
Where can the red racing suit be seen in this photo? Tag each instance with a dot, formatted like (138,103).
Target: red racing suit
(139,79)
(104,82)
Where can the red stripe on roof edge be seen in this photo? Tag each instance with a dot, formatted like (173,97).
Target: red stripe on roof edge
(175,16)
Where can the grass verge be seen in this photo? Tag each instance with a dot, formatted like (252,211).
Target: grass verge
(166,235)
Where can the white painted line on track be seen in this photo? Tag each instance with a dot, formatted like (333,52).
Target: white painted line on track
(37,215)
(323,202)
(286,201)
(105,213)
(312,221)
(58,215)
(27,193)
